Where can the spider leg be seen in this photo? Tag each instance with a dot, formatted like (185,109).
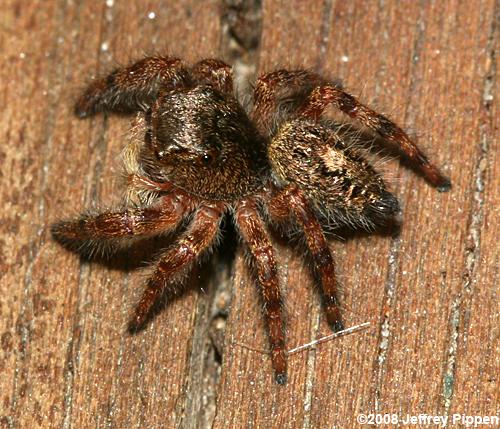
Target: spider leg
(253,232)
(133,88)
(214,72)
(274,90)
(291,202)
(327,94)
(311,95)
(162,216)
(201,234)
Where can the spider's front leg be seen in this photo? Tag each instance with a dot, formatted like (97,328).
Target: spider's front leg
(133,88)
(164,215)
(200,236)
(253,232)
(292,203)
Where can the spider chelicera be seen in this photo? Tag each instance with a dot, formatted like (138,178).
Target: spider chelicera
(202,155)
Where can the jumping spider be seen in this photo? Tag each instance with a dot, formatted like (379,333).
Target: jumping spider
(203,156)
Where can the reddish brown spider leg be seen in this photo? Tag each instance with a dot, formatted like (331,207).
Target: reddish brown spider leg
(214,72)
(291,201)
(273,88)
(201,234)
(328,94)
(132,88)
(164,215)
(253,232)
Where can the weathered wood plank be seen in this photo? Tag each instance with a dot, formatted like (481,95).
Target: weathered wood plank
(430,293)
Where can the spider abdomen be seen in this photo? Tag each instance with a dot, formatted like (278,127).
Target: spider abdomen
(339,182)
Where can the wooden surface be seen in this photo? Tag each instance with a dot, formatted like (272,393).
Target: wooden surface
(430,293)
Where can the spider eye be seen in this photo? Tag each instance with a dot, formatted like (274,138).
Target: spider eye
(206,158)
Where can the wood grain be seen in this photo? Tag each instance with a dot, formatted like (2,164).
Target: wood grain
(429,292)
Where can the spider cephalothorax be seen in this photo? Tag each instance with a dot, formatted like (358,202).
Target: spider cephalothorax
(202,155)
(202,141)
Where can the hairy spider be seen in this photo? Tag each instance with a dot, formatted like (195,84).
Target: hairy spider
(202,155)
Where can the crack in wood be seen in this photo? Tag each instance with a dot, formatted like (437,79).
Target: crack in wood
(240,42)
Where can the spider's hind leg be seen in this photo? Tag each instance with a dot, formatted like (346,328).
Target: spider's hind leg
(134,88)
